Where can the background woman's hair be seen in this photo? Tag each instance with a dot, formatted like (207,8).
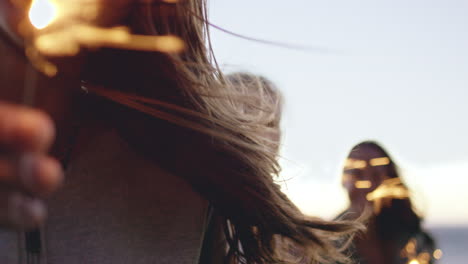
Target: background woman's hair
(189,128)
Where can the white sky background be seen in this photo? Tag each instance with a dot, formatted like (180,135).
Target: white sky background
(395,71)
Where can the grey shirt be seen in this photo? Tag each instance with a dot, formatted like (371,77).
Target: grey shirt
(116,207)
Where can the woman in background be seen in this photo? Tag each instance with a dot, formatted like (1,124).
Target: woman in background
(395,234)
(149,142)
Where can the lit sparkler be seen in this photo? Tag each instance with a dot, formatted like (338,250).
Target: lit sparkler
(42,13)
(362,164)
(363,184)
(389,189)
(62,29)
(416,255)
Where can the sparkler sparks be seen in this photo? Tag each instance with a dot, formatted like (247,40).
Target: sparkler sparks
(72,31)
(362,164)
(389,189)
(379,161)
(69,41)
(438,254)
(355,164)
(42,13)
(363,184)
(415,256)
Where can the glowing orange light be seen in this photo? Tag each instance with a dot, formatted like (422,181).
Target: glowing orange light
(347,177)
(80,33)
(355,164)
(438,254)
(363,184)
(424,257)
(389,189)
(69,41)
(360,164)
(348,163)
(42,13)
(411,246)
(379,161)
(414,261)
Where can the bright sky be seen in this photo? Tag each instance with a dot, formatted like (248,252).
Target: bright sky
(395,71)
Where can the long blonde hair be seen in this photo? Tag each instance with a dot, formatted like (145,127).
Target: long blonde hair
(189,128)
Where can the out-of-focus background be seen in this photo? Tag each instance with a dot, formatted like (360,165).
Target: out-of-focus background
(393,71)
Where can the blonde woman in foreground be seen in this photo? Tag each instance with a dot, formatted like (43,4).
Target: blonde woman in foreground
(147,145)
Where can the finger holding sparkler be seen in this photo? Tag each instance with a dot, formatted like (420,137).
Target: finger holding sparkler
(25,170)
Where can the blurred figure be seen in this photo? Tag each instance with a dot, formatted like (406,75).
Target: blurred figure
(375,189)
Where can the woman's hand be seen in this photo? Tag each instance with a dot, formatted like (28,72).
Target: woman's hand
(27,173)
